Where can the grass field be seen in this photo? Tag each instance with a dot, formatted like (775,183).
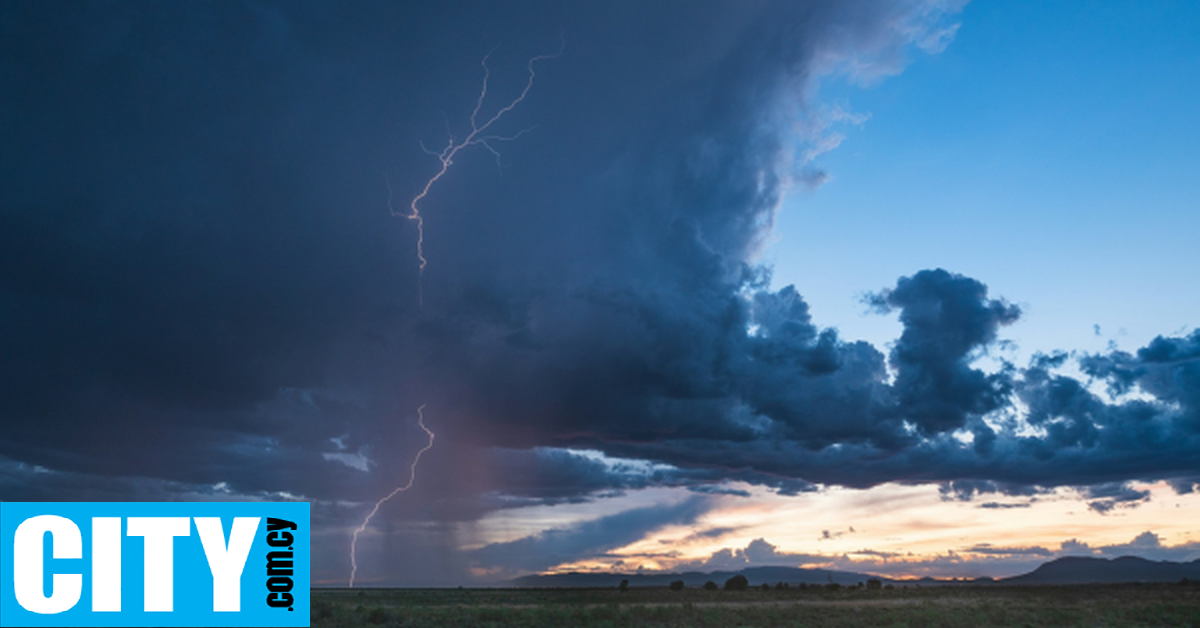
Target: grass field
(967,607)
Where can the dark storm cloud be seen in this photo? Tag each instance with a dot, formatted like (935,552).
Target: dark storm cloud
(1105,497)
(549,476)
(1167,368)
(1184,485)
(200,280)
(589,538)
(164,266)
(552,475)
(946,318)
(967,490)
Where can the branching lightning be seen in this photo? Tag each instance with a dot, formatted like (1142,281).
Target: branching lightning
(412,477)
(478,136)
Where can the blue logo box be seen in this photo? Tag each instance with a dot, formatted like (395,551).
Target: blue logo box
(154,564)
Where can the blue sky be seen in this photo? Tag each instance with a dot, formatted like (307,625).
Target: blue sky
(1052,151)
(206,296)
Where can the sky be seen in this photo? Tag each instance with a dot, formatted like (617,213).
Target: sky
(903,287)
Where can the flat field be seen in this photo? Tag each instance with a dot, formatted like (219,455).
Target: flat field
(1093,606)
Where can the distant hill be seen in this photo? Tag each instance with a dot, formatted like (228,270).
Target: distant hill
(756,576)
(1083,570)
(1069,570)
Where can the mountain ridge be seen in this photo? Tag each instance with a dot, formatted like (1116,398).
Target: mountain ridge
(1091,569)
(1064,570)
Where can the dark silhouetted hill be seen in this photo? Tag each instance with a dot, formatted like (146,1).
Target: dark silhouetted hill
(1069,570)
(756,576)
(1084,570)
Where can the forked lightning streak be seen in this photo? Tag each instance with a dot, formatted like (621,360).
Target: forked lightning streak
(478,136)
(412,477)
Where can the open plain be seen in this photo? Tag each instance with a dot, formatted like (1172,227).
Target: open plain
(1093,606)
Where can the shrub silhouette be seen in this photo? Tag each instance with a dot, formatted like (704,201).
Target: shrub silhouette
(737,583)
(677,585)
(874,584)
(710,586)
(624,586)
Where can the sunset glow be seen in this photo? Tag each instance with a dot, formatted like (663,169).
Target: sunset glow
(892,287)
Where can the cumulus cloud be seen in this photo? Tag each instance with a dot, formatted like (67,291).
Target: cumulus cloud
(758,553)
(946,318)
(203,285)
(980,560)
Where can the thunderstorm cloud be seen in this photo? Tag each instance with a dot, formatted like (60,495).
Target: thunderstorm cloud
(205,294)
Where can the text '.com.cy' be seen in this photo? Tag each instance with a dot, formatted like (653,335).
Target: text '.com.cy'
(154,564)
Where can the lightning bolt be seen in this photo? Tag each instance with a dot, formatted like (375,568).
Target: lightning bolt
(412,477)
(479,136)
